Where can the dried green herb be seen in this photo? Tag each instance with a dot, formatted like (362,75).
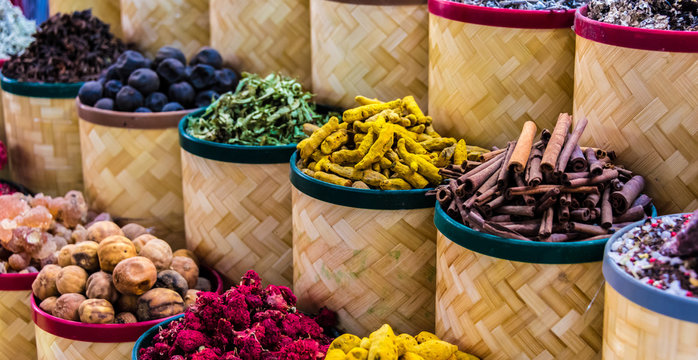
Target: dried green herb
(261,111)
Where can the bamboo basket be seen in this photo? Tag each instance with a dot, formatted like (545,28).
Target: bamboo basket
(268,37)
(371,48)
(109,11)
(16,328)
(153,24)
(42,135)
(237,207)
(502,299)
(638,89)
(366,254)
(5,172)
(641,322)
(491,70)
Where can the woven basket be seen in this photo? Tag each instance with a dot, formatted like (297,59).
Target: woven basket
(366,254)
(638,89)
(642,322)
(109,11)
(263,37)
(501,299)
(371,48)
(153,24)
(237,207)
(42,135)
(491,70)
(5,172)
(16,328)
(132,168)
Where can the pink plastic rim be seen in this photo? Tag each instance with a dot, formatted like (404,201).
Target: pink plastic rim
(634,38)
(17,282)
(2,62)
(509,18)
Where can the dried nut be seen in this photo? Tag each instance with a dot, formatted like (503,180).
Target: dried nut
(159,252)
(67,306)
(100,286)
(159,303)
(134,276)
(187,268)
(96,311)
(170,279)
(113,250)
(44,285)
(187,253)
(102,230)
(132,231)
(85,255)
(48,304)
(71,279)
(190,297)
(142,240)
(125,318)
(127,303)
(65,255)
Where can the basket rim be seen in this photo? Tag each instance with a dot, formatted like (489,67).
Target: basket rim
(634,38)
(17,282)
(148,335)
(40,89)
(130,120)
(508,18)
(662,302)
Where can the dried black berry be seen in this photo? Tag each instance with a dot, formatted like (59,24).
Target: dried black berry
(142,110)
(182,93)
(111,88)
(128,99)
(128,62)
(144,80)
(226,80)
(90,92)
(171,70)
(205,98)
(202,76)
(208,56)
(169,52)
(173,106)
(156,101)
(105,104)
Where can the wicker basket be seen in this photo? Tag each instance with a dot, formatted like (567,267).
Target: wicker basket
(132,168)
(501,298)
(641,322)
(491,70)
(153,24)
(16,328)
(42,135)
(638,89)
(371,48)
(5,172)
(366,254)
(109,11)
(237,207)
(263,37)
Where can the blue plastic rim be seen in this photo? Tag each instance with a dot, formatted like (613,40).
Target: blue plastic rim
(147,338)
(41,90)
(572,252)
(677,307)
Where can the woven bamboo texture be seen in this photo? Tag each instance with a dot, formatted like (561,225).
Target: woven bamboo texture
(44,143)
(238,217)
(501,309)
(485,82)
(370,266)
(643,105)
(109,11)
(16,326)
(373,50)
(153,24)
(632,332)
(268,37)
(52,347)
(5,172)
(136,174)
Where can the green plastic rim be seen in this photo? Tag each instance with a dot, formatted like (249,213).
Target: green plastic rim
(41,90)
(519,250)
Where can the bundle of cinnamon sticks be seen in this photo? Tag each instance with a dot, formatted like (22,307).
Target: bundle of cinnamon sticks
(545,188)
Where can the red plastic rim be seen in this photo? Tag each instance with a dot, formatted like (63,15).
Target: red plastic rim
(509,18)
(17,282)
(634,38)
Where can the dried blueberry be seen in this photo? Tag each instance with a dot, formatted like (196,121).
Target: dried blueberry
(173,106)
(202,76)
(148,64)
(128,62)
(171,70)
(144,80)
(156,101)
(112,73)
(142,109)
(167,52)
(90,92)
(226,80)
(182,93)
(205,98)
(111,88)
(208,56)
(128,99)
(105,104)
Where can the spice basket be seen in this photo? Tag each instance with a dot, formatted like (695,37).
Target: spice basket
(16,329)
(43,142)
(638,89)
(267,38)
(372,48)
(107,11)
(491,70)
(63,339)
(641,322)
(237,206)
(153,24)
(366,254)
(132,167)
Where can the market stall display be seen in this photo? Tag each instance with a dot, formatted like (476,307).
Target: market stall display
(108,11)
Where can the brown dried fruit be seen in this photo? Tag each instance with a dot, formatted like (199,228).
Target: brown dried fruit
(19,261)
(79,234)
(190,297)
(44,285)
(65,255)
(159,252)
(134,276)
(71,279)
(125,318)
(113,250)
(48,304)
(85,255)
(142,240)
(187,268)
(103,229)
(159,303)
(100,286)
(127,303)
(187,253)
(170,279)
(132,231)
(67,306)
(96,311)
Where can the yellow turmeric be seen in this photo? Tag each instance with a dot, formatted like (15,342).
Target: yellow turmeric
(310,144)
(412,356)
(373,178)
(357,354)
(345,342)
(444,157)
(362,100)
(425,336)
(395,184)
(358,138)
(366,111)
(461,154)
(414,147)
(405,343)
(404,172)
(429,130)
(331,178)
(335,354)
(354,156)
(417,128)
(465,356)
(383,143)
(359,185)
(410,106)
(334,141)
(419,164)
(438,144)
(309,128)
(382,344)
(435,350)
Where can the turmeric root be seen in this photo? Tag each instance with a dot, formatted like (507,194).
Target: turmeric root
(419,164)
(404,172)
(359,185)
(461,154)
(444,157)
(425,336)
(383,143)
(438,144)
(357,354)
(309,145)
(435,350)
(335,354)
(366,111)
(382,344)
(334,141)
(414,147)
(362,100)
(332,178)
(354,156)
(410,106)
(345,342)
(417,128)
(405,343)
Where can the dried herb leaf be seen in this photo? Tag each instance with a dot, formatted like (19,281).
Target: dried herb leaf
(648,14)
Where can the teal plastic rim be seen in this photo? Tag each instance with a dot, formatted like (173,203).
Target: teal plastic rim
(357,198)
(147,338)
(41,90)
(519,250)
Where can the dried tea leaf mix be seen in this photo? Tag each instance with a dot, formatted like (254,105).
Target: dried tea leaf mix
(649,14)
(15,30)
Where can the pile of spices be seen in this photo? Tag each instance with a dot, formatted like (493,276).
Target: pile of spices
(382,145)
(525,4)
(550,190)
(662,253)
(261,111)
(68,48)
(679,15)
(15,30)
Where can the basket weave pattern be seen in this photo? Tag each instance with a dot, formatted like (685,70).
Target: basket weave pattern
(43,142)
(643,105)
(370,266)
(52,347)
(155,23)
(136,174)
(238,217)
(371,50)
(16,326)
(501,309)
(486,81)
(109,11)
(266,38)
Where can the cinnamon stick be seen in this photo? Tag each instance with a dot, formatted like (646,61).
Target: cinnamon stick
(570,145)
(587,229)
(545,204)
(557,140)
(503,178)
(443,196)
(635,213)
(564,213)
(566,177)
(546,224)
(580,215)
(616,184)
(472,182)
(475,171)
(566,199)
(492,154)
(595,166)
(606,176)
(528,199)
(522,150)
(644,201)
(606,209)
(518,210)
(591,200)
(578,162)
(501,218)
(533,173)
(621,200)
(545,136)
(558,237)
(452,210)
